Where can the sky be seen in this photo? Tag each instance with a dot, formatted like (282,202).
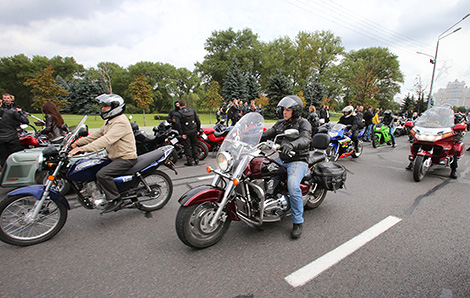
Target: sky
(174,31)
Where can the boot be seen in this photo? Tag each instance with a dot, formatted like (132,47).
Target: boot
(410,166)
(453,174)
(114,205)
(296,231)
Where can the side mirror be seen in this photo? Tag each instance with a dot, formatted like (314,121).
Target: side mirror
(83,131)
(460,127)
(130,117)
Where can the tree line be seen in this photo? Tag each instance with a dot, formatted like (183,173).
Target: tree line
(237,65)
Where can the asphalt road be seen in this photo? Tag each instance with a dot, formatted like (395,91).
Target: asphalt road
(126,254)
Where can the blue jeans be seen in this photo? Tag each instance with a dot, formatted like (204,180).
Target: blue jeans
(392,130)
(368,131)
(296,171)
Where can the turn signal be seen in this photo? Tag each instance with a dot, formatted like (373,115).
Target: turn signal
(235,181)
(208,169)
(50,178)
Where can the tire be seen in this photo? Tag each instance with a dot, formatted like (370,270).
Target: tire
(360,146)
(202,150)
(375,140)
(315,196)
(61,185)
(192,225)
(334,156)
(162,189)
(420,168)
(13,215)
(174,156)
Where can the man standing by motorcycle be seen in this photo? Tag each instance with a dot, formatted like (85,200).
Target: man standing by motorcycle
(10,120)
(188,125)
(293,153)
(117,137)
(349,118)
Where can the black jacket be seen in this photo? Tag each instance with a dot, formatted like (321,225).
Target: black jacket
(10,120)
(182,125)
(351,120)
(368,115)
(51,129)
(300,145)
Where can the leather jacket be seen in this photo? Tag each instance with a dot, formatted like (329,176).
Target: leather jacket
(300,145)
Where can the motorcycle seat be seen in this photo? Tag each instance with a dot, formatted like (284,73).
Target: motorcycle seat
(321,141)
(315,157)
(144,160)
(219,134)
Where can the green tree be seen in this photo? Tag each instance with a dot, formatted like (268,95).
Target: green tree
(234,86)
(252,86)
(408,104)
(81,95)
(45,89)
(371,77)
(279,56)
(141,91)
(313,92)
(278,87)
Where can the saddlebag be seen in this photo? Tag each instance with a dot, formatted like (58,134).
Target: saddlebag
(330,175)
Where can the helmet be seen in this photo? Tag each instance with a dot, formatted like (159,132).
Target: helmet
(290,102)
(115,102)
(164,126)
(347,111)
(388,113)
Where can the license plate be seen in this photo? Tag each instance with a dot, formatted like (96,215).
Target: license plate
(173,141)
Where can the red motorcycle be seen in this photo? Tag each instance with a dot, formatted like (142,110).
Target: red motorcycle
(437,141)
(251,186)
(213,137)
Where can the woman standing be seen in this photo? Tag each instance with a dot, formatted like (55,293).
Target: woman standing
(54,121)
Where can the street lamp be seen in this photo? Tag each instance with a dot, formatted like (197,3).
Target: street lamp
(434,62)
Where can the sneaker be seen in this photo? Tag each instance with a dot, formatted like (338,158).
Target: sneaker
(453,174)
(114,205)
(296,231)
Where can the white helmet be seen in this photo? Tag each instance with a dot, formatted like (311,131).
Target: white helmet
(115,102)
(347,111)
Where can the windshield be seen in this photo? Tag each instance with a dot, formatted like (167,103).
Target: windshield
(72,135)
(436,117)
(338,126)
(244,136)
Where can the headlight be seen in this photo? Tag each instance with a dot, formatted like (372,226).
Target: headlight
(224,161)
(39,161)
(426,138)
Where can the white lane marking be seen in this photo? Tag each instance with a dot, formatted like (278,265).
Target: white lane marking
(317,267)
(205,177)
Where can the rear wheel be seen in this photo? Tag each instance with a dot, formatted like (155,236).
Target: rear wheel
(161,191)
(18,227)
(315,196)
(421,166)
(193,225)
(202,150)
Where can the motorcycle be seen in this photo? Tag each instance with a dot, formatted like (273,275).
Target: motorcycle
(213,137)
(249,185)
(163,135)
(409,124)
(436,140)
(381,135)
(341,144)
(399,128)
(34,214)
(177,142)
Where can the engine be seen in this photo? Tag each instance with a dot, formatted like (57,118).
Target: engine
(276,205)
(91,191)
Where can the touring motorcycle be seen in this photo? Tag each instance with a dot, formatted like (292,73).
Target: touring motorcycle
(341,144)
(436,140)
(249,185)
(34,214)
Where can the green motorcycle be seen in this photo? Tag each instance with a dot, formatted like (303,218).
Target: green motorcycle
(381,135)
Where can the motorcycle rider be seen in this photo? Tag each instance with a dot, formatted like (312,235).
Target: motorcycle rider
(349,118)
(289,111)
(188,125)
(172,112)
(388,121)
(117,137)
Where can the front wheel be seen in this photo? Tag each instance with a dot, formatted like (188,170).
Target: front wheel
(193,225)
(161,191)
(375,140)
(421,166)
(18,227)
(315,196)
(333,153)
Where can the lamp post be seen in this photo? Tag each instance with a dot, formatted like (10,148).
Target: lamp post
(434,62)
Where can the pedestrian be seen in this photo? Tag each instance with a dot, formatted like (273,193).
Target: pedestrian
(10,120)
(368,115)
(188,125)
(234,112)
(54,121)
(172,112)
(313,119)
(117,137)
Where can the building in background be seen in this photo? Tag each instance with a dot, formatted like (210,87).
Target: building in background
(456,94)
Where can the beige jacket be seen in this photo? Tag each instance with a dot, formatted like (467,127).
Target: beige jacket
(115,135)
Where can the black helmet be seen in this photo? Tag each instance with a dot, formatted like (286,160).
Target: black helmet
(290,102)
(388,113)
(115,102)
(347,111)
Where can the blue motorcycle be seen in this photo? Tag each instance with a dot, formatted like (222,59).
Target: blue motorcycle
(34,214)
(341,145)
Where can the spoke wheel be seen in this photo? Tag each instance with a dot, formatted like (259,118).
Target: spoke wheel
(161,191)
(314,197)
(17,227)
(193,225)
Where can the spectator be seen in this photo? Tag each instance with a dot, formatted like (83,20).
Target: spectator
(10,119)
(368,115)
(54,121)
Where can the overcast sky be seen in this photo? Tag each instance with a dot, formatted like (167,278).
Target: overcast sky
(130,31)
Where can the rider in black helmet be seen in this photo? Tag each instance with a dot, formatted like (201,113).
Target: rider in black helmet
(389,121)
(289,112)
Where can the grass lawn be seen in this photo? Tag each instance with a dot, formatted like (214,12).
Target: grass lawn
(95,121)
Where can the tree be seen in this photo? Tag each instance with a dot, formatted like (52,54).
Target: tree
(213,98)
(278,87)
(81,95)
(45,89)
(141,91)
(252,86)
(408,104)
(370,76)
(234,86)
(313,92)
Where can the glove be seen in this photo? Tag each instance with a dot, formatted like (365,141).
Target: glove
(286,148)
